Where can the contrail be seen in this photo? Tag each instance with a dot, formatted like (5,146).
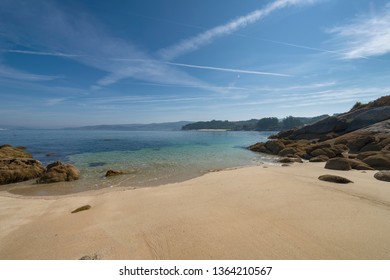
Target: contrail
(227,69)
(241,71)
(43,53)
(207,36)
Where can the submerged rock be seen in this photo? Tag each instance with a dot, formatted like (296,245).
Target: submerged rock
(59,172)
(111,173)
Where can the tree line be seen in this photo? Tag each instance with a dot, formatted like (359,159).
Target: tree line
(264,124)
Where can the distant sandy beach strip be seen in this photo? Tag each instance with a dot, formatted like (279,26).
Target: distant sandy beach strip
(262,212)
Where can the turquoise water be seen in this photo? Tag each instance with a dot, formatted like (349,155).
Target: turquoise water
(149,158)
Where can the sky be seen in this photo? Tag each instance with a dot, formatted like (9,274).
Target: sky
(75,63)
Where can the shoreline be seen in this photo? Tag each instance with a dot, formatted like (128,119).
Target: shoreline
(246,213)
(61,189)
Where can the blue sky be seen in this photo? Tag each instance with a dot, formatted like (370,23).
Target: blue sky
(73,63)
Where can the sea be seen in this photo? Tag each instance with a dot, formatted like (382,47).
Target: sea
(149,158)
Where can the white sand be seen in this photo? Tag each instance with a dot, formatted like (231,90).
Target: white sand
(248,213)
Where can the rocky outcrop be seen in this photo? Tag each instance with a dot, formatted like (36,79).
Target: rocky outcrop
(16,165)
(362,136)
(334,179)
(334,126)
(59,172)
(19,169)
(9,152)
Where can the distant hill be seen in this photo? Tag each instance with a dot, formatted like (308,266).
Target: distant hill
(263,124)
(168,126)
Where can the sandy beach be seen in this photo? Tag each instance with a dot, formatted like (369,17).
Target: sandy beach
(261,212)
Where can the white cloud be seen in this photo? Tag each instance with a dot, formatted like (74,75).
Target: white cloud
(43,25)
(194,43)
(46,29)
(365,36)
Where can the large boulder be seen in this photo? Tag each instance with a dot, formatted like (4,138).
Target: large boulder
(259,147)
(275,146)
(288,152)
(379,161)
(355,144)
(323,152)
(59,172)
(383,176)
(20,169)
(359,165)
(338,164)
(321,158)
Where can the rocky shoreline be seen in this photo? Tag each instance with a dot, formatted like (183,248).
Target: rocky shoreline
(16,165)
(358,139)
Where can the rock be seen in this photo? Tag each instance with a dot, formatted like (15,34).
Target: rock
(96,164)
(338,164)
(110,173)
(374,146)
(287,152)
(20,169)
(260,148)
(359,165)
(90,257)
(9,152)
(367,116)
(356,144)
(290,160)
(339,149)
(320,158)
(364,155)
(380,161)
(323,152)
(334,179)
(311,148)
(59,172)
(275,146)
(5,146)
(383,176)
(328,128)
(82,208)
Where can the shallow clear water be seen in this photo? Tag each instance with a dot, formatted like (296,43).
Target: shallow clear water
(148,157)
